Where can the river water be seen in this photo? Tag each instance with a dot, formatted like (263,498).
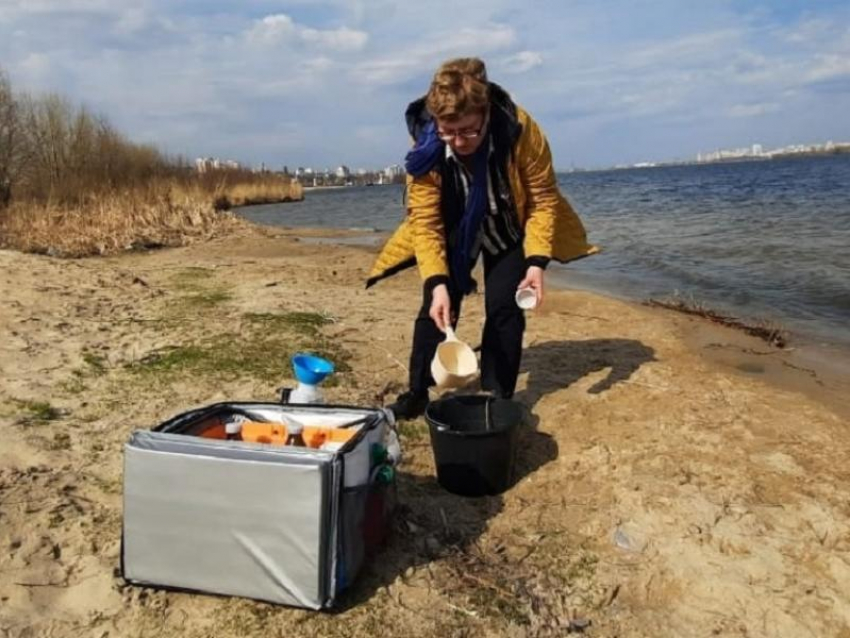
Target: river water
(765,240)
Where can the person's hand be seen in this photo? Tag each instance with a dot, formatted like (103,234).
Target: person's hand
(441,306)
(534,280)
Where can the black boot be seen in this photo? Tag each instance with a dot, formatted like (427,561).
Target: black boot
(409,405)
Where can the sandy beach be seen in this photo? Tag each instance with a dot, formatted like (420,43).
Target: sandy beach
(675,478)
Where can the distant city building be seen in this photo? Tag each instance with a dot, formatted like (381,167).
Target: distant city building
(391,172)
(342,172)
(204,164)
(757,150)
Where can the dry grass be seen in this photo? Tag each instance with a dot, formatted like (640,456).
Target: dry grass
(111,223)
(265,191)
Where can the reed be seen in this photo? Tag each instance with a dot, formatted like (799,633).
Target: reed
(73,185)
(262,189)
(116,221)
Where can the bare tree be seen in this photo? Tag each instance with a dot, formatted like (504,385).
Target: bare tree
(47,124)
(52,150)
(8,139)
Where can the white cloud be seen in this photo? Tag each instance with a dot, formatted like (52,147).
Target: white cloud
(387,71)
(808,32)
(278,29)
(271,30)
(320,64)
(343,39)
(54,6)
(829,67)
(221,77)
(692,49)
(522,62)
(422,57)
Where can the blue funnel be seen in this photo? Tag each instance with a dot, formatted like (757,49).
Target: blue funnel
(310,369)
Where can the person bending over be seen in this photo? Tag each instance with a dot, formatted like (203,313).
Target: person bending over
(480,182)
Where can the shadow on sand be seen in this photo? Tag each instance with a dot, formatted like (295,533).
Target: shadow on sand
(431,523)
(555,365)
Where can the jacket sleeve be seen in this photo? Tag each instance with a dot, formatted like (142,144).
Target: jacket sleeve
(544,200)
(423,208)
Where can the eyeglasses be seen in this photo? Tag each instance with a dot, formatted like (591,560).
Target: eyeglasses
(467,134)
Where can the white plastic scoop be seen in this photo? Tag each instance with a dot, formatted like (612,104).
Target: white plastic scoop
(454,364)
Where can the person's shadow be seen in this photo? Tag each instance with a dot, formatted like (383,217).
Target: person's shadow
(431,523)
(555,365)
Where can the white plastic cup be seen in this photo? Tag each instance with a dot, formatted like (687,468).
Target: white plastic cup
(233,426)
(526,298)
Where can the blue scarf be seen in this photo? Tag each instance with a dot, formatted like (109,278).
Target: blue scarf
(421,159)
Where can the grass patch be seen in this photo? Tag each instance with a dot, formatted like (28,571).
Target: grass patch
(37,412)
(306,323)
(202,300)
(76,384)
(499,606)
(191,277)
(261,349)
(96,363)
(197,295)
(413,431)
(95,366)
(172,358)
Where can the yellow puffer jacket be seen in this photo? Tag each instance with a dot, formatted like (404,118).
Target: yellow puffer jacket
(552,228)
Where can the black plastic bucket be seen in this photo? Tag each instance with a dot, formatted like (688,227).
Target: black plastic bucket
(474,443)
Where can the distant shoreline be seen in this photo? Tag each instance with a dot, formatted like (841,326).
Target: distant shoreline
(731,160)
(341,186)
(325,188)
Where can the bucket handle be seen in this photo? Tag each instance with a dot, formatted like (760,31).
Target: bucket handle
(450,334)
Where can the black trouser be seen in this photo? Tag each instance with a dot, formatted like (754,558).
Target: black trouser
(501,344)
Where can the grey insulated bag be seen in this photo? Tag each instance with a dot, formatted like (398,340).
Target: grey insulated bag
(283,524)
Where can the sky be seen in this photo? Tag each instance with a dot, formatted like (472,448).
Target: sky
(319,83)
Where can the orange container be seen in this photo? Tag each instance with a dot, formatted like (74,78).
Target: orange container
(275,434)
(215,431)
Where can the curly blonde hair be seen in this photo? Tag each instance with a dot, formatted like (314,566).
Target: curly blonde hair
(459,88)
